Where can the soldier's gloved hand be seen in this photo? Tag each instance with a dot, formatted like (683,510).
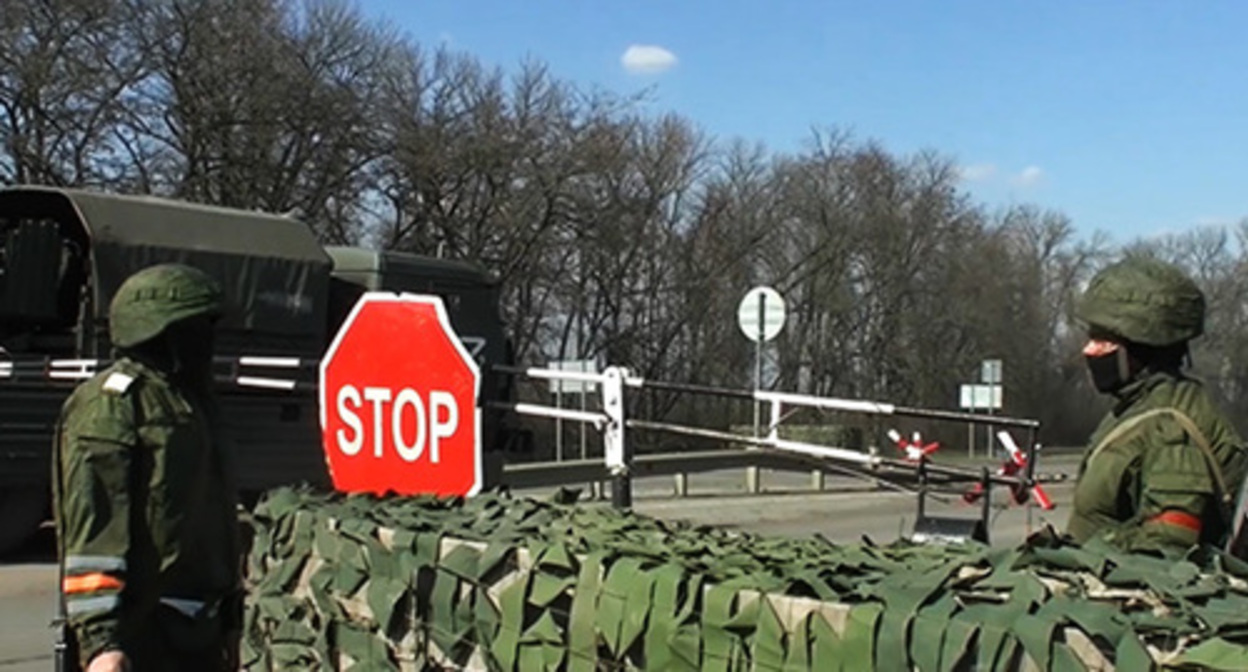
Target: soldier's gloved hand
(109,661)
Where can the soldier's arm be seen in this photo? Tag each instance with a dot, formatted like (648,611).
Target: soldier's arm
(96,452)
(1176,490)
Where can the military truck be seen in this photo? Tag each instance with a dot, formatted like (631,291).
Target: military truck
(63,253)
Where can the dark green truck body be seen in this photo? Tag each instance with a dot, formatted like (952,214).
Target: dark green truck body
(64,252)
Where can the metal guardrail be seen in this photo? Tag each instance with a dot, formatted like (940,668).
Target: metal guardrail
(542,474)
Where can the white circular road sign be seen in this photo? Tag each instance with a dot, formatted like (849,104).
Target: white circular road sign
(761,313)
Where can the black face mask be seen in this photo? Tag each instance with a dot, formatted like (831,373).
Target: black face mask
(191,344)
(1109,372)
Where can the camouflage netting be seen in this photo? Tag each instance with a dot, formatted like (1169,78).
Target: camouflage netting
(517,584)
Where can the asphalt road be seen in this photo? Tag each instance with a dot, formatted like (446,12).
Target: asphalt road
(844,512)
(27,606)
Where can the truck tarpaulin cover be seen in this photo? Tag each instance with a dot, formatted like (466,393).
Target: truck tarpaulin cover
(274,272)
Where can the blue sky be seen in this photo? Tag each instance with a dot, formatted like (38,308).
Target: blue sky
(1129,116)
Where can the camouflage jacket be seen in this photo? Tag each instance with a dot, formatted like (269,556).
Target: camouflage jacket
(145,507)
(1148,484)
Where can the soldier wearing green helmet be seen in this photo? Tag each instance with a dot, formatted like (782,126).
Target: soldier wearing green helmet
(1161,469)
(144,492)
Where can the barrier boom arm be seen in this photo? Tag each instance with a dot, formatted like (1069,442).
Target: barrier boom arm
(824,452)
(879,408)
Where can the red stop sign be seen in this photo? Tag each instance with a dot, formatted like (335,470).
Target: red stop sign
(398,400)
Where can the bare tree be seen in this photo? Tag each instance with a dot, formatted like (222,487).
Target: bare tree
(260,105)
(66,67)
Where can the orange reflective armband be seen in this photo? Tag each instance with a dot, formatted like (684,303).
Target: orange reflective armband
(1178,519)
(89,583)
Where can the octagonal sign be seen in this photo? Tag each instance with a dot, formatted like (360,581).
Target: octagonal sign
(398,400)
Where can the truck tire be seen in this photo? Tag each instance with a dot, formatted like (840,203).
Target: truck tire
(22,509)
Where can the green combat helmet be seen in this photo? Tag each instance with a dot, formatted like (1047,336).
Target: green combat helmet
(158,296)
(1145,301)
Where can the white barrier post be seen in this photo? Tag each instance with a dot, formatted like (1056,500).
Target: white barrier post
(619,458)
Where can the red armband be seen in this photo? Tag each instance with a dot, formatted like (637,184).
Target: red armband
(1178,519)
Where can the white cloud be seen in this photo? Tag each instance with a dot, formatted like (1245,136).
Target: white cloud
(1215,221)
(977,172)
(1028,177)
(647,59)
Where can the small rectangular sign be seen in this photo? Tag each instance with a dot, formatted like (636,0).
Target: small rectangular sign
(990,372)
(986,397)
(565,386)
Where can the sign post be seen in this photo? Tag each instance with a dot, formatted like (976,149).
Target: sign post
(398,401)
(761,317)
(990,375)
(983,396)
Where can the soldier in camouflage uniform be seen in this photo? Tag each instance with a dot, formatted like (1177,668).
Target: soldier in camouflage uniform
(1162,466)
(144,492)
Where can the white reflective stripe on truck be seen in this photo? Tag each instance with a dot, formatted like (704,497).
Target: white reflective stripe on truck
(72,369)
(271,362)
(266,383)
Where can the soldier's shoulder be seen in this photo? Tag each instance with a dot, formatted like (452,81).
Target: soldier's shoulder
(120,378)
(1193,398)
(103,407)
(1173,395)
(1180,400)
(111,387)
